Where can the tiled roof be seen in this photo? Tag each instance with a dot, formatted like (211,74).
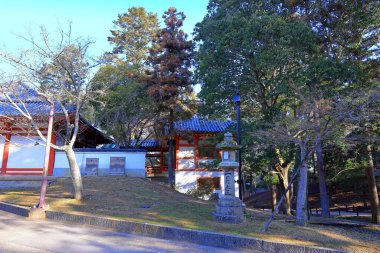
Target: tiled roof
(146,144)
(36,106)
(33,104)
(195,125)
(109,150)
(21,91)
(202,125)
(142,144)
(33,108)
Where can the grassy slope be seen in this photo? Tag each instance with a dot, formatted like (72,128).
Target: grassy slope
(141,200)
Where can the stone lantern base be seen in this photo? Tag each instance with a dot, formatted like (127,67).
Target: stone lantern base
(229,209)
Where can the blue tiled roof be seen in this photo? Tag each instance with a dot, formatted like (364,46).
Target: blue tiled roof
(34,108)
(202,125)
(23,93)
(195,125)
(145,144)
(122,150)
(34,104)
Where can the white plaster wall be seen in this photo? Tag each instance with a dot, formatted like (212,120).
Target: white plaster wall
(184,142)
(185,180)
(186,164)
(186,151)
(23,153)
(206,160)
(203,162)
(134,162)
(2,141)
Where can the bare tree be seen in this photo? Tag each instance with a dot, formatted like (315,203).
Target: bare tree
(363,129)
(297,126)
(59,73)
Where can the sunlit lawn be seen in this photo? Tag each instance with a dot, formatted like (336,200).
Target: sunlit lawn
(141,200)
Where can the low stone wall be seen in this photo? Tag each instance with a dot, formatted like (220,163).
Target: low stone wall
(22,182)
(174,233)
(18,184)
(188,235)
(19,210)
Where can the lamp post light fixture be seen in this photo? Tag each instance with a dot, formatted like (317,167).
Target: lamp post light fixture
(236,99)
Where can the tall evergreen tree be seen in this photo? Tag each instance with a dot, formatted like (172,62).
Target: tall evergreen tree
(290,79)
(170,80)
(134,31)
(248,46)
(125,111)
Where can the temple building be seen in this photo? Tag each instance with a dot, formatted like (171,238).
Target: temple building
(22,151)
(196,156)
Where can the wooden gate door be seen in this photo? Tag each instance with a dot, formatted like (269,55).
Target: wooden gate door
(92,166)
(117,166)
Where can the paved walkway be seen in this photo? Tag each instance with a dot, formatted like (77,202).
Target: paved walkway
(18,234)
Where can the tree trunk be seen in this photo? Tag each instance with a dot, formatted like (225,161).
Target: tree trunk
(171,144)
(266,225)
(282,170)
(251,183)
(75,173)
(301,216)
(324,197)
(42,202)
(171,176)
(372,188)
(273,191)
(285,207)
(291,197)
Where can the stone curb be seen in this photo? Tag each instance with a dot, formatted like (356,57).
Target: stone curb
(188,235)
(174,233)
(10,208)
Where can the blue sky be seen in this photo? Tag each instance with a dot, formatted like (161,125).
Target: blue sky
(90,18)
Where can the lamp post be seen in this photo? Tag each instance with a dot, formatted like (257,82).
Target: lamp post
(236,99)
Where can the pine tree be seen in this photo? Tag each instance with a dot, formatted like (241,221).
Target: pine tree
(170,80)
(134,30)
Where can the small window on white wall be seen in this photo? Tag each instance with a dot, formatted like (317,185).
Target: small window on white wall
(117,165)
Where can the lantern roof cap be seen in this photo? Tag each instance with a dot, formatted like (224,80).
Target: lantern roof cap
(228,143)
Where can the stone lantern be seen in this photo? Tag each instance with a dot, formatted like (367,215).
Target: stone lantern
(229,208)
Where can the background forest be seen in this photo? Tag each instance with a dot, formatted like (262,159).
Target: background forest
(307,72)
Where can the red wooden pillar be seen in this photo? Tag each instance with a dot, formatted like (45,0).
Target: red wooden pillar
(176,155)
(161,161)
(6,149)
(52,156)
(196,154)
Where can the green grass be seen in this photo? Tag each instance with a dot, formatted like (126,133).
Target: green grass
(357,218)
(144,201)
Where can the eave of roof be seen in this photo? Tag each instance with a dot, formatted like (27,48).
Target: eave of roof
(121,150)
(145,144)
(202,125)
(35,109)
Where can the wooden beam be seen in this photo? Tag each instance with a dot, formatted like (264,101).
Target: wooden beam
(196,143)
(6,150)
(52,156)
